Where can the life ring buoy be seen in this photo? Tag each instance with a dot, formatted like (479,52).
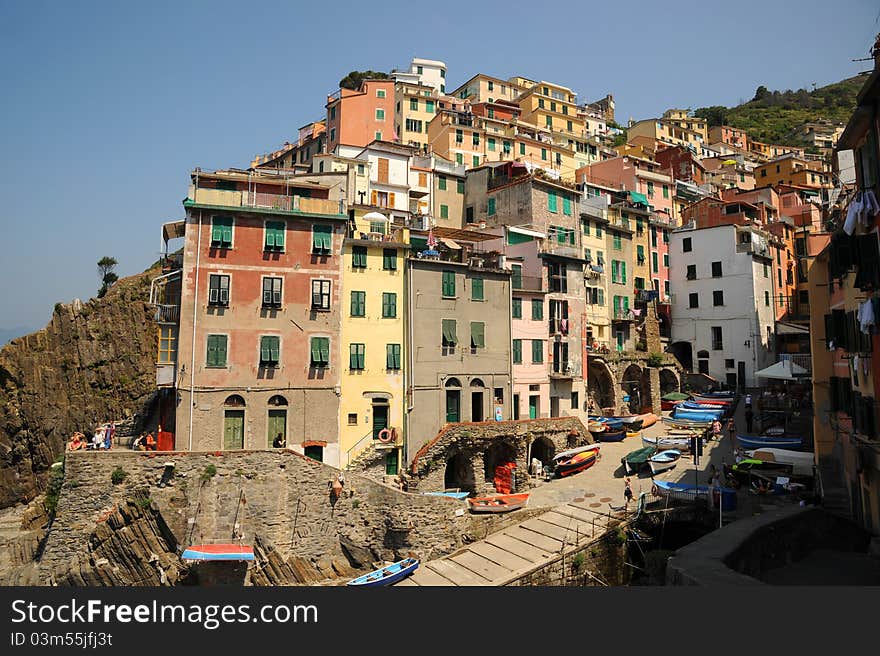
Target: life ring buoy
(385,436)
(655,490)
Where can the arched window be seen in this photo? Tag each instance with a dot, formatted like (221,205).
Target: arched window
(234,401)
(277,400)
(703,354)
(453,382)
(476,382)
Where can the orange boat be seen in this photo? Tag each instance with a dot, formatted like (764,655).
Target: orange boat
(499,503)
(576,463)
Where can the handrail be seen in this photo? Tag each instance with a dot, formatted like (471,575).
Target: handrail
(354,446)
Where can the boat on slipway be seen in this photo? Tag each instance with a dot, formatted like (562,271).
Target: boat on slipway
(387,575)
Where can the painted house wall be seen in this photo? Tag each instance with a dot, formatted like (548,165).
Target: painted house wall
(351,118)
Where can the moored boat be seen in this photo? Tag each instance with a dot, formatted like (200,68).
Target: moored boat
(218,552)
(388,574)
(680,443)
(687,423)
(562,455)
(596,426)
(688,493)
(695,415)
(720,400)
(576,463)
(649,419)
(664,460)
(747,442)
(635,433)
(635,460)
(611,435)
(452,495)
(498,503)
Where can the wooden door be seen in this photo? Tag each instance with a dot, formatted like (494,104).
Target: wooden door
(277,424)
(233,429)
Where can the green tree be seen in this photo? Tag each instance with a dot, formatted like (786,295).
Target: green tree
(105,272)
(354,78)
(714,115)
(760,93)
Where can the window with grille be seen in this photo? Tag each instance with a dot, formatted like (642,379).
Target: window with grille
(272,292)
(218,290)
(321,294)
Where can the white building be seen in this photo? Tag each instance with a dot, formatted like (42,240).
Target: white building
(423,71)
(389,170)
(722,311)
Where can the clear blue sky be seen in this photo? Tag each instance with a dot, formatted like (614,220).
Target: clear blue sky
(108,105)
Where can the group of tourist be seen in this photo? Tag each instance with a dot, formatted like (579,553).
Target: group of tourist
(144,442)
(100,440)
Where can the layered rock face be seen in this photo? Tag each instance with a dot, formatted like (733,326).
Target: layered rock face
(93,362)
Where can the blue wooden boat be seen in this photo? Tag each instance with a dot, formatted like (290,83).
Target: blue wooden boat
(610,436)
(694,415)
(218,552)
(387,575)
(452,495)
(688,423)
(688,493)
(611,423)
(749,442)
(700,407)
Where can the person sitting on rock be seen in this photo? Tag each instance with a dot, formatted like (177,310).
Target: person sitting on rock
(76,442)
(150,442)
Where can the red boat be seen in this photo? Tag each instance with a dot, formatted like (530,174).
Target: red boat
(499,503)
(576,463)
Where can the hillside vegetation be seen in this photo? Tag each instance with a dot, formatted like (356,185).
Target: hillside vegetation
(775,116)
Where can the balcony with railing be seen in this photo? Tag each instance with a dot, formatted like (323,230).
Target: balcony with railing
(563,370)
(528,283)
(167,314)
(559,326)
(265,201)
(623,314)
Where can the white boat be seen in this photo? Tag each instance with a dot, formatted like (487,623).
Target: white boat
(680,443)
(573,452)
(802,463)
(664,460)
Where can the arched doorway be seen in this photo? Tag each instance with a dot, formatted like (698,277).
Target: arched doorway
(542,449)
(631,384)
(668,382)
(645,389)
(277,420)
(453,400)
(233,422)
(498,453)
(477,396)
(703,362)
(459,473)
(600,386)
(684,352)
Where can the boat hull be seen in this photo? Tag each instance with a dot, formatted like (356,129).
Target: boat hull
(387,575)
(611,436)
(218,552)
(577,463)
(573,452)
(751,442)
(664,460)
(680,443)
(501,503)
(688,493)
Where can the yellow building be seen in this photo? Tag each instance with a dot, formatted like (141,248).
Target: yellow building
(792,170)
(372,340)
(415,105)
(675,128)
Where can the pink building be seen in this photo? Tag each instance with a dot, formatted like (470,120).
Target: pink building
(629,173)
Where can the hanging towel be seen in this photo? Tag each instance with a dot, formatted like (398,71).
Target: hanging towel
(866,316)
(870,208)
(852,214)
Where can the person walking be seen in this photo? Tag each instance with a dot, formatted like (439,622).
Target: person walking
(627,491)
(716,430)
(750,417)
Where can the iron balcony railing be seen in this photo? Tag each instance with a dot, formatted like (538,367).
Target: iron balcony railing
(167,313)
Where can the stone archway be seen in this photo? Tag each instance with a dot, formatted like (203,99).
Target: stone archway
(684,352)
(645,390)
(542,449)
(631,384)
(459,473)
(669,382)
(498,453)
(600,383)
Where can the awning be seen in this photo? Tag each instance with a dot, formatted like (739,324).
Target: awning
(785,370)
(451,244)
(527,232)
(173,229)
(636,197)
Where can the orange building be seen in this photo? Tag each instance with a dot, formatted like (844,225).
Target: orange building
(357,118)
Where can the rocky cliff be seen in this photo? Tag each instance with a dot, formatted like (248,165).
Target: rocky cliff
(93,362)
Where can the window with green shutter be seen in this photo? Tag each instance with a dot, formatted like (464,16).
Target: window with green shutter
(522,149)
(491,210)
(216,351)
(429,106)
(358,304)
(544,157)
(665,236)
(537,351)
(448,284)
(516,308)
(586,225)
(441,183)
(655,261)
(356,357)
(359,257)
(666,260)
(640,253)
(322,236)
(389,259)
(537,309)
(477,289)
(617,243)
(414,104)
(274,236)
(551,201)
(389,305)
(665,191)
(517,351)
(478,334)
(490,143)
(459,186)
(270,347)
(380,114)
(392,356)
(320,352)
(459,158)
(476,160)
(650,189)
(450,339)
(598,229)
(476,139)
(516,277)
(653,236)
(623,273)
(566,205)
(221,232)
(444,211)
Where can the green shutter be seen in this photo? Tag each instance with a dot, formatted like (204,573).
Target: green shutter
(490,143)
(478,334)
(516,278)
(491,210)
(522,149)
(626,303)
(448,284)
(460,186)
(389,305)
(325,349)
(551,201)
(537,309)
(429,106)
(566,205)
(640,252)
(316,350)
(356,356)
(613,270)
(322,238)
(623,273)
(444,211)
(320,351)
(516,310)
(216,351)
(449,331)
(655,261)
(270,348)
(517,351)
(359,257)
(274,235)
(389,259)
(441,183)
(477,289)
(221,231)
(392,356)
(358,304)
(537,351)
(601,296)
